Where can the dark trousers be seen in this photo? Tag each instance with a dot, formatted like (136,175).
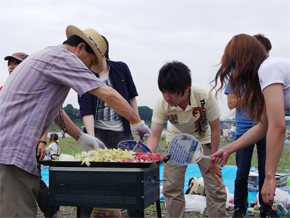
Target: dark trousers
(43,196)
(112,138)
(243,161)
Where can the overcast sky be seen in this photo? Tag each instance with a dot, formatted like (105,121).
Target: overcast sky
(146,34)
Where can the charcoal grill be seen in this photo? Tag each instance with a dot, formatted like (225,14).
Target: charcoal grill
(104,185)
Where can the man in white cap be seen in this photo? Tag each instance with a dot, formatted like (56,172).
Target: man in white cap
(37,90)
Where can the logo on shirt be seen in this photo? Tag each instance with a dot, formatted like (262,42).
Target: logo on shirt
(201,123)
(173,118)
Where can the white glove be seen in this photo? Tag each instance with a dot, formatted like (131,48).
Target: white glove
(89,142)
(141,131)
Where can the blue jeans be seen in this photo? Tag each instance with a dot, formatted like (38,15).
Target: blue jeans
(243,161)
(233,135)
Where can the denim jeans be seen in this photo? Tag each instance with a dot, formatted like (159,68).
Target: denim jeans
(243,161)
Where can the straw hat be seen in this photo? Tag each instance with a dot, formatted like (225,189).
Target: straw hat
(94,40)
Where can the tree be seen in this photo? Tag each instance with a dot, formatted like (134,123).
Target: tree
(73,113)
(145,113)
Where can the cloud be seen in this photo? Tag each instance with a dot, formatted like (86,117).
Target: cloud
(146,34)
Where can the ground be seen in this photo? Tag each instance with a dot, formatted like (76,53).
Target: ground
(150,212)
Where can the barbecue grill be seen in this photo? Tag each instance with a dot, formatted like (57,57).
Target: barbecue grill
(104,185)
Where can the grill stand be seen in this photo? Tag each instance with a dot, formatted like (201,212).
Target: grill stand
(104,187)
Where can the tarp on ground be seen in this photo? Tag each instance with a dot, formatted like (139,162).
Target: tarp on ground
(228,171)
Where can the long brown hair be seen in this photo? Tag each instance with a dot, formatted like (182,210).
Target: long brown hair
(53,137)
(242,58)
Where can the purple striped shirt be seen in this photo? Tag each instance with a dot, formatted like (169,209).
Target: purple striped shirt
(31,98)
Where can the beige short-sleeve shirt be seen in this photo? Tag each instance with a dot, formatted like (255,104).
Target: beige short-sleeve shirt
(194,119)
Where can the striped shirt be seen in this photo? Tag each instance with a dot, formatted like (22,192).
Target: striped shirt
(31,98)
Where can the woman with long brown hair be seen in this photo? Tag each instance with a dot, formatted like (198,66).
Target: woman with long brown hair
(53,148)
(265,84)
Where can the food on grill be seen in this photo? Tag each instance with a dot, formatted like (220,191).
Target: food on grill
(66,157)
(112,155)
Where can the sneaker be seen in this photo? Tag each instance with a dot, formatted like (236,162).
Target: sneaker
(239,213)
(268,214)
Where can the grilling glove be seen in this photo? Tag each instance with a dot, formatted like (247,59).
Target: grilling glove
(141,131)
(89,142)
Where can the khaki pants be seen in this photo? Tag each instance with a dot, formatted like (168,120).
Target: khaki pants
(18,192)
(173,189)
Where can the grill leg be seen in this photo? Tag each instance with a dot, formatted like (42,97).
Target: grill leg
(158,208)
(133,213)
(78,212)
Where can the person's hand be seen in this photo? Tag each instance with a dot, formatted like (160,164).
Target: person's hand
(89,142)
(222,155)
(214,168)
(41,150)
(141,131)
(268,190)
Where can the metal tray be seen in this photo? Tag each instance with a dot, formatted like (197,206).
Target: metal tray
(97,164)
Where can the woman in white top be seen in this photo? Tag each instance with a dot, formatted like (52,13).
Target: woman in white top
(265,83)
(53,148)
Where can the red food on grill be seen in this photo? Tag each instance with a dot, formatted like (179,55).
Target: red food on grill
(147,157)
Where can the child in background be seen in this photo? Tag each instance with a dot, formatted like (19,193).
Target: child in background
(53,148)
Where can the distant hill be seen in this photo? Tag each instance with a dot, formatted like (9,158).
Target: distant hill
(145,113)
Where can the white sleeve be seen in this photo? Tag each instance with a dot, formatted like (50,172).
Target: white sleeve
(270,73)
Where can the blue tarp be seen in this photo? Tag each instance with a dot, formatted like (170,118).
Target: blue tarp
(229,175)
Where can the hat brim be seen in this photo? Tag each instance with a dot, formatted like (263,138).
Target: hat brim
(73,30)
(7,58)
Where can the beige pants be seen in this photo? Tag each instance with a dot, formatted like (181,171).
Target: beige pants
(18,192)
(173,190)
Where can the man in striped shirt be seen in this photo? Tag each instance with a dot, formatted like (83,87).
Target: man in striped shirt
(29,103)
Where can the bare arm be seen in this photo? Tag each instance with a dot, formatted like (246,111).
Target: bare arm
(252,136)
(231,100)
(215,135)
(72,129)
(134,105)
(274,100)
(41,147)
(153,140)
(116,102)
(89,124)
(213,165)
